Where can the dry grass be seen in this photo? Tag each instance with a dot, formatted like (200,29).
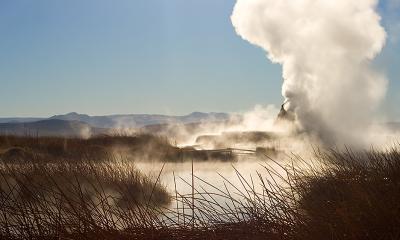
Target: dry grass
(141,147)
(51,149)
(354,196)
(52,200)
(337,195)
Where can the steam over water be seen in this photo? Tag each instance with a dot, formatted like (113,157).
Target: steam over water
(325,48)
(213,175)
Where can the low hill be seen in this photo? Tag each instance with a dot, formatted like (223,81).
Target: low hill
(140,120)
(52,127)
(19,120)
(126,120)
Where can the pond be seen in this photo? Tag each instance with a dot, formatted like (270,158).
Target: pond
(217,185)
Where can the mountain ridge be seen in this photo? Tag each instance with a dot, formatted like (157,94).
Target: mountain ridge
(76,124)
(50,127)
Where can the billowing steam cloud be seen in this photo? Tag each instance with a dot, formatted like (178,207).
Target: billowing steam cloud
(325,48)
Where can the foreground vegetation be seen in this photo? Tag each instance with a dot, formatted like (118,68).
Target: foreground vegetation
(141,147)
(103,147)
(334,195)
(52,200)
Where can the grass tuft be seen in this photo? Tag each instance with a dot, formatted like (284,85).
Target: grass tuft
(334,195)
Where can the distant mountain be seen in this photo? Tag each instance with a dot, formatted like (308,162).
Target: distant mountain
(199,117)
(50,127)
(19,120)
(75,124)
(140,120)
(95,121)
(81,125)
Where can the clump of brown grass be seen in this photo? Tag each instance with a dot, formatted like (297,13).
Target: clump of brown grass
(336,195)
(73,199)
(352,196)
(97,148)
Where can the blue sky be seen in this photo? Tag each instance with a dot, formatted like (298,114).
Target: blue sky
(150,56)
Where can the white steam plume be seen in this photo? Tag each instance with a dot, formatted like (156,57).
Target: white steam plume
(325,48)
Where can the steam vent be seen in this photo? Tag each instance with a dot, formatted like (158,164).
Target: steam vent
(285,115)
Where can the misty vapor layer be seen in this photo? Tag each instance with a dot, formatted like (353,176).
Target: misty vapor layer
(325,48)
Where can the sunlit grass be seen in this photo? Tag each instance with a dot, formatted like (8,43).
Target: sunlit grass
(334,195)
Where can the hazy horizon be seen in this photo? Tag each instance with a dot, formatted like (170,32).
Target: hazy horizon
(113,114)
